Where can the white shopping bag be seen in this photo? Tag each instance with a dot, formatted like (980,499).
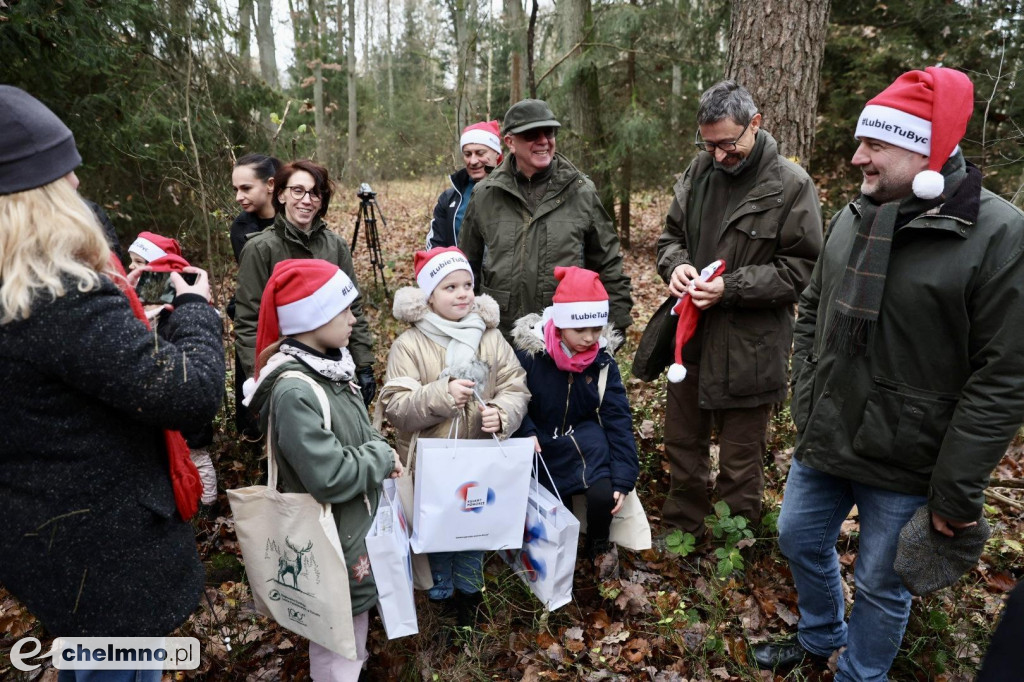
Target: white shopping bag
(387,545)
(293,555)
(547,560)
(630,528)
(470,494)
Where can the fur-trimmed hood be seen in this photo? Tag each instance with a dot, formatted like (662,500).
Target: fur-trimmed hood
(411,305)
(528,334)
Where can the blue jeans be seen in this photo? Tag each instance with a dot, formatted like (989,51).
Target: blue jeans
(109,676)
(814,507)
(462,571)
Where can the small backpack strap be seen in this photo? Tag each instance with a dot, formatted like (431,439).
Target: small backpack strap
(321,395)
(325,410)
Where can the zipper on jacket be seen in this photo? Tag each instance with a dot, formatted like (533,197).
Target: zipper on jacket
(568,394)
(582,459)
(565,415)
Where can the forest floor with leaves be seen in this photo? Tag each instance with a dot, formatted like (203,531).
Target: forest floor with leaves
(689,614)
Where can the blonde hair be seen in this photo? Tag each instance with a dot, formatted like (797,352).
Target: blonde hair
(46,234)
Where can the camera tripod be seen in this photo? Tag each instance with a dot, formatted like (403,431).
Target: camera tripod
(369,210)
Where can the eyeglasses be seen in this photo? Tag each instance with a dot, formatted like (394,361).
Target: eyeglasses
(726,147)
(532,134)
(298,192)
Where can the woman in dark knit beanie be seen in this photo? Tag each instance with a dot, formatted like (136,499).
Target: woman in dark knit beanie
(92,540)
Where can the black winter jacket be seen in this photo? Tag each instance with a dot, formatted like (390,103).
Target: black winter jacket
(584,438)
(442,226)
(91,539)
(246,225)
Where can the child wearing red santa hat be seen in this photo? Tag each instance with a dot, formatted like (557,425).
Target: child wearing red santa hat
(156,253)
(304,326)
(451,370)
(579,415)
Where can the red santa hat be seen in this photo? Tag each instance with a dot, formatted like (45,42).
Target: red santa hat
(434,265)
(487,133)
(689,314)
(151,246)
(925,112)
(580,299)
(301,295)
(169,263)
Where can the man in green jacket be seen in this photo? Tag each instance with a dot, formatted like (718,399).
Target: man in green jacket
(740,201)
(536,211)
(908,365)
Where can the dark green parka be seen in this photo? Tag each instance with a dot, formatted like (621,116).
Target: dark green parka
(933,405)
(569,227)
(769,243)
(268,248)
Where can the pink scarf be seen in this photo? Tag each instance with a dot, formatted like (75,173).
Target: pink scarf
(553,344)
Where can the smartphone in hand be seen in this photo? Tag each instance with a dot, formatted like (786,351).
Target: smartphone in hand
(155,288)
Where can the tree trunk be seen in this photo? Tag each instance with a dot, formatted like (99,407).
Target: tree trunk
(391,71)
(316,15)
(245,18)
(585,98)
(626,178)
(352,140)
(463,16)
(775,51)
(515,29)
(265,41)
(531,39)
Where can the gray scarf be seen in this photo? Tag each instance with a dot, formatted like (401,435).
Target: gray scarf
(461,341)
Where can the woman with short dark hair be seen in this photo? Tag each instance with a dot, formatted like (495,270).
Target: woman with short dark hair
(302,194)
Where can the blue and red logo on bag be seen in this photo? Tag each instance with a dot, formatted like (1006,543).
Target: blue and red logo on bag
(534,568)
(474,496)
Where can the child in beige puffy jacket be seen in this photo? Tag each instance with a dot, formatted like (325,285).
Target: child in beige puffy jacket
(452,354)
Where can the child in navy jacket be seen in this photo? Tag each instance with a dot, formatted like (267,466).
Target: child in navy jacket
(579,415)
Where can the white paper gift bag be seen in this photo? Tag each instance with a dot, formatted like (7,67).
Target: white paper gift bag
(470,494)
(547,560)
(387,545)
(293,556)
(630,528)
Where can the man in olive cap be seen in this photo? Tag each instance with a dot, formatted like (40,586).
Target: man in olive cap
(536,211)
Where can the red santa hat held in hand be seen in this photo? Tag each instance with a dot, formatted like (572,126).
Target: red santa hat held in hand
(302,294)
(151,246)
(924,112)
(688,314)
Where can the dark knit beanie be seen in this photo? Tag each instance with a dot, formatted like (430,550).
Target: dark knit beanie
(36,147)
(927,560)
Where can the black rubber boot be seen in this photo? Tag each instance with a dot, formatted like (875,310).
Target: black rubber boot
(467,609)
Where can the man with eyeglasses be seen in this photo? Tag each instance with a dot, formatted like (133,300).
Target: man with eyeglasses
(740,201)
(536,211)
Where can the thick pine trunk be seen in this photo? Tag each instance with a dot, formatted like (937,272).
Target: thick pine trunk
(265,42)
(245,15)
(775,51)
(585,98)
(515,29)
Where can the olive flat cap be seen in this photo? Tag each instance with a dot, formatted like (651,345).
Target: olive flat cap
(526,114)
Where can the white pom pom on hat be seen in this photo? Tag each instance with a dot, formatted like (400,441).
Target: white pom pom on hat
(924,112)
(676,373)
(929,184)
